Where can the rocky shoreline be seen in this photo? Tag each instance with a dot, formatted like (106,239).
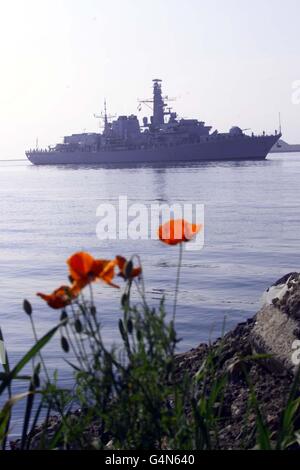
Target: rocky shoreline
(271,332)
(237,419)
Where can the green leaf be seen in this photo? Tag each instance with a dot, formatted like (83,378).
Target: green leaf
(28,410)
(5,413)
(27,358)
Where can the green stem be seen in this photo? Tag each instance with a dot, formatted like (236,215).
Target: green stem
(177,281)
(40,354)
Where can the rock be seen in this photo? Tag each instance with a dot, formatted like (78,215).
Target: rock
(110,445)
(277,325)
(285,294)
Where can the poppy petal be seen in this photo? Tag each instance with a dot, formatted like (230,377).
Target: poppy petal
(60,298)
(191,230)
(80,265)
(178,231)
(108,274)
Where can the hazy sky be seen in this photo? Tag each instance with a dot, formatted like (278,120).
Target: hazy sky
(227,62)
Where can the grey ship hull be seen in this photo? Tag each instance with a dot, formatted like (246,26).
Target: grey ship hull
(218,149)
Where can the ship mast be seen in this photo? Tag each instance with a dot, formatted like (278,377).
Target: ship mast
(159,105)
(280,124)
(105,118)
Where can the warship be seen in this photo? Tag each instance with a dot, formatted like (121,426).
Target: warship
(164,138)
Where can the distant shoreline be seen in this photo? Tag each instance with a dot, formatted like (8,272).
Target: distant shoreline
(284,147)
(13,160)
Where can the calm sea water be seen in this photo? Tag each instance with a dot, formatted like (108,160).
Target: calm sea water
(252,237)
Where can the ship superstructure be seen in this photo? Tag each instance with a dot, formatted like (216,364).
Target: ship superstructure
(162,139)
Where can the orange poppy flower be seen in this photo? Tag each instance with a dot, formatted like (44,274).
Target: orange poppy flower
(85,269)
(178,231)
(108,273)
(122,264)
(61,297)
